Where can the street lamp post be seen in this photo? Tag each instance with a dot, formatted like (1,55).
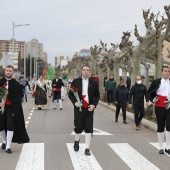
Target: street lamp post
(17,25)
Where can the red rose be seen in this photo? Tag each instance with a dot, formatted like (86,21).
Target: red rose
(72,87)
(35,93)
(76,89)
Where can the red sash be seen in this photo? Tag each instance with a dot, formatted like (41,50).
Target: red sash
(56,89)
(160,102)
(84,102)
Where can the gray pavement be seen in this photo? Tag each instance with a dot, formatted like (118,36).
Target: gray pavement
(53,128)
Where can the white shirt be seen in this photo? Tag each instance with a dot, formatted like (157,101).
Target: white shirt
(164,88)
(85,83)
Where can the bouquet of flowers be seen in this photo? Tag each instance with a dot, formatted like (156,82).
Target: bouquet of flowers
(3,95)
(34,94)
(75,92)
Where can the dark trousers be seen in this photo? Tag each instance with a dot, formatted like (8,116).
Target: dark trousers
(163,118)
(57,95)
(83,120)
(123,111)
(7,119)
(138,112)
(110,96)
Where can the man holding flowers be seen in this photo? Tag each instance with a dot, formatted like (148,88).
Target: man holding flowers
(12,124)
(84,94)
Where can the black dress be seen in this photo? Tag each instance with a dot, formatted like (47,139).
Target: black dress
(41,96)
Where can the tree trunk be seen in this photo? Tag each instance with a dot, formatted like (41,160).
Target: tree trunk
(116,71)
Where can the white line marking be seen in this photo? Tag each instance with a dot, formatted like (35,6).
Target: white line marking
(156,145)
(29,117)
(32,110)
(80,160)
(30,114)
(26,126)
(99,132)
(131,157)
(32,157)
(26,122)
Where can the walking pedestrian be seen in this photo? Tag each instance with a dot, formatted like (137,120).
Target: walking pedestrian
(159,94)
(41,93)
(12,124)
(120,98)
(138,92)
(86,90)
(56,85)
(109,88)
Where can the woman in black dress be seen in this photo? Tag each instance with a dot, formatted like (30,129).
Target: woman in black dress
(41,93)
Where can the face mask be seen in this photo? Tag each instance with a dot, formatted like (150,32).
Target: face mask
(139,81)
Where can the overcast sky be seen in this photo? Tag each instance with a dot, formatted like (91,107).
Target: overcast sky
(66,26)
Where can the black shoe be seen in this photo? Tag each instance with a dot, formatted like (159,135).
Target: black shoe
(8,151)
(124,122)
(161,151)
(39,108)
(61,108)
(167,151)
(76,146)
(54,108)
(3,146)
(87,152)
(116,120)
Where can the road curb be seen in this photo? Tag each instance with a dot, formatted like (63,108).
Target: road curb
(146,123)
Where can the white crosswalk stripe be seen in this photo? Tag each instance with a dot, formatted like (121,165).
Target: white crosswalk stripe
(156,145)
(80,161)
(32,157)
(131,157)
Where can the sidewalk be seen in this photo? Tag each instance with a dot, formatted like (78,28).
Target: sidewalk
(146,123)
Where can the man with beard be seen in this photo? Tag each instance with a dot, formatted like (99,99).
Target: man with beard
(12,124)
(87,91)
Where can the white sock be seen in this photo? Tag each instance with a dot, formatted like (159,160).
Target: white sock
(9,138)
(3,135)
(167,140)
(55,103)
(60,103)
(77,136)
(87,139)
(161,139)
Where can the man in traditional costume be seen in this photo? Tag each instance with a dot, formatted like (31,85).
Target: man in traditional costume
(159,92)
(12,124)
(56,85)
(84,94)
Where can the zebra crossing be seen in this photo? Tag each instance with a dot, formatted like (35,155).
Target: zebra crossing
(32,157)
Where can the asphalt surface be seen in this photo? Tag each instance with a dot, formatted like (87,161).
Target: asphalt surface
(53,129)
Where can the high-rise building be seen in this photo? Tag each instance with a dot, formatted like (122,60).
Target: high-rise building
(45,57)
(6,46)
(34,49)
(61,60)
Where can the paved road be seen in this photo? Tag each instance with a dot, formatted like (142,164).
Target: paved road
(115,146)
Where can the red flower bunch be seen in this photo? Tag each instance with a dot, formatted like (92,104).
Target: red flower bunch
(34,94)
(75,89)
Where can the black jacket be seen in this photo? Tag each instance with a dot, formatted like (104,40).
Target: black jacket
(93,91)
(120,95)
(57,84)
(14,96)
(153,88)
(138,91)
